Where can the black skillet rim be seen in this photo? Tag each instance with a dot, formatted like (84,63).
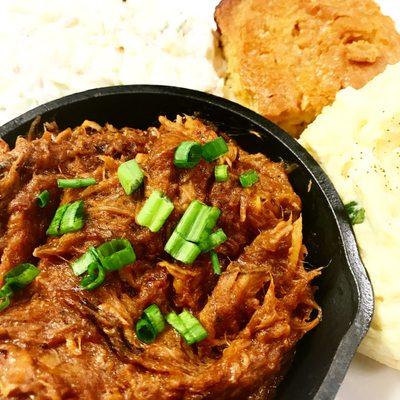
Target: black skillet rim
(358,329)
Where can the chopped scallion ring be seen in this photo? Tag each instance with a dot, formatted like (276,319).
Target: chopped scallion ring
(150,325)
(181,249)
(94,278)
(116,254)
(249,178)
(75,183)
(130,176)
(215,263)
(43,198)
(355,212)
(214,149)
(54,227)
(81,265)
(187,155)
(5,297)
(4,302)
(20,276)
(213,215)
(145,331)
(214,240)
(155,211)
(112,255)
(197,221)
(73,218)
(175,321)
(155,317)
(188,326)
(221,173)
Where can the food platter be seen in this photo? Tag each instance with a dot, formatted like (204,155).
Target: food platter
(321,71)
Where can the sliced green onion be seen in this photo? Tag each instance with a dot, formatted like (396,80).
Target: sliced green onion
(4,302)
(214,240)
(112,255)
(54,227)
(181,249)
(187,155)
(155,317)
(188,326)
(196,331)
(73,218)
(115,254)
(189,217)
(221,173)
(213,215)
(20,276)
(75,183)
(130,176)
(155,211)
(215,262)
(249,178)
(145,331)
(94,278)
(5,297)
(81,265)
(355,212)
(175,321)
(43,198)
(214,149)
(197,221)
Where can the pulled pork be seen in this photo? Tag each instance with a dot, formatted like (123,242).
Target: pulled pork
(60,342)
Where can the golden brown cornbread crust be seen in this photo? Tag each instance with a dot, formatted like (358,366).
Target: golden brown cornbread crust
(286,59)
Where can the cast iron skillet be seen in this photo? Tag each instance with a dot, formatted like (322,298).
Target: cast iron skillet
(345,293)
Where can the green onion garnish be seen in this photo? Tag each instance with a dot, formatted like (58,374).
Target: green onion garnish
(81,265)
(43,198)
(187,155)
(68,218)
(215,262)
(197,221)
(111,256)
(116,254)
(194,227)
(181,249)
(214,149)
(18,278)
(73,218)
(75,183)
(130,176)
(214,240)
(249,178)
(54,227)
(5,297)
(155,211)
(355,212)
(150,325)
(95,276)
(145,331)
(188,326)
(221,173)
(154,315)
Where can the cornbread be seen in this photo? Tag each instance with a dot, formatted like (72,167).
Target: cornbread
(357,142)
(287,59)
